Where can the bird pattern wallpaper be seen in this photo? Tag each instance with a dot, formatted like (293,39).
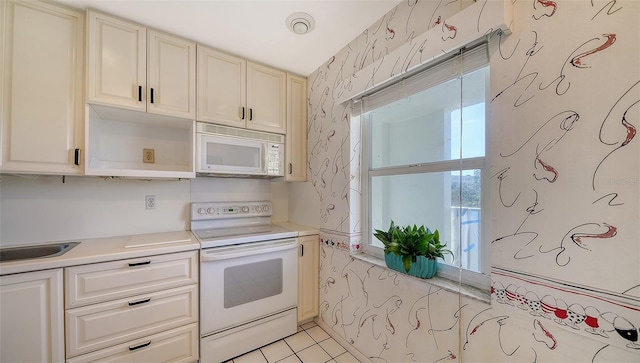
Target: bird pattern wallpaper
(564,180)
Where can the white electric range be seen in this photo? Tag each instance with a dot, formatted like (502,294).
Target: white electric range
(248,278)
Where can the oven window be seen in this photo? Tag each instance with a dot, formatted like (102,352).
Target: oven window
(252,282)
(233,155)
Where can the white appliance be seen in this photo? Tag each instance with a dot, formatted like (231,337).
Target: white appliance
(248,278)
(229,151)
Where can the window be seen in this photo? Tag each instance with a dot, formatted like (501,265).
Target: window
(424,160)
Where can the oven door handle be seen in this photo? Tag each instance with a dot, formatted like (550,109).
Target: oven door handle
(250,249)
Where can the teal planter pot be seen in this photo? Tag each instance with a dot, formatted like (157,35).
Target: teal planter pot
(423,268)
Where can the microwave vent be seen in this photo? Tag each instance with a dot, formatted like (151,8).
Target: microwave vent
(232,131)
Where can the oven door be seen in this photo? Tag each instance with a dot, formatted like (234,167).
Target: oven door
(242,283)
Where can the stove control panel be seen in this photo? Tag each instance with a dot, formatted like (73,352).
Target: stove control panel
(201,211)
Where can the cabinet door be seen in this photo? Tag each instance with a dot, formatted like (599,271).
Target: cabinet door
(31,317)
(266,99)
(221,88)
(116,62)
(308,277)
(171,79)
(42,115)
(296,139)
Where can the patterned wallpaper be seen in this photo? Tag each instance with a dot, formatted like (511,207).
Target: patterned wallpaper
(565,188)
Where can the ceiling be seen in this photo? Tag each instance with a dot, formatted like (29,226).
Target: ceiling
(255,29)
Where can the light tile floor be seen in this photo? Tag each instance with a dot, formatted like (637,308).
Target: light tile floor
(310,344)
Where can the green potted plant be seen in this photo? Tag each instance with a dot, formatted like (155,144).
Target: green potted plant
(412,249)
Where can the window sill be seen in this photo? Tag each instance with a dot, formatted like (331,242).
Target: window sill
(446,284)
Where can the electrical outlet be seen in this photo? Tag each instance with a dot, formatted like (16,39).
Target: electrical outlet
(150,201)
(148,155)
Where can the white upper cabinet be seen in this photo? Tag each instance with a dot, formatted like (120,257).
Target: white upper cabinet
(116,62)
(234,92)
(296,138)
(171,75)
(41,98)
(266,98)
(131,67)
(222,90)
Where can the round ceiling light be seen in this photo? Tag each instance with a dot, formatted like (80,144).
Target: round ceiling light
(300,23)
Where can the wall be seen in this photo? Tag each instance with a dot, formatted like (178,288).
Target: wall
(41,209)
(565,90)
(304,205)
(37,209)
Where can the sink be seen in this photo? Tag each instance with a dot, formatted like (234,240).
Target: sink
(37,251)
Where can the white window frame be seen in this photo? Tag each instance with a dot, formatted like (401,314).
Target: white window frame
(480,279)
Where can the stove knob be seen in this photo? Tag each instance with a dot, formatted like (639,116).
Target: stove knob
(210,210)
(201,211)
(245,209)
(265,208)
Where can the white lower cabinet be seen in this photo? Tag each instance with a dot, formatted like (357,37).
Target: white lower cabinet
(102,325)
(308,266)
(142,309)
(31,317)
(87,284)
(176,345)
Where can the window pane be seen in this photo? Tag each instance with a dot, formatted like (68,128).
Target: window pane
(427,126)
(473,116)
(446,201)
(466,218)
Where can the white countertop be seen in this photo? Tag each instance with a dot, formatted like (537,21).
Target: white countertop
(302,230)
(95,250)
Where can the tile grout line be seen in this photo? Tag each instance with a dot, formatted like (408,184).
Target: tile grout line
(331,358)
(318,343)
(314,341)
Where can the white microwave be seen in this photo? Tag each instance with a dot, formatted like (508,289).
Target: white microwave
(229,151)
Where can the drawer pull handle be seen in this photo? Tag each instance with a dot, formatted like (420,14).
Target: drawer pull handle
(141,345)
(139,302)
(139,263)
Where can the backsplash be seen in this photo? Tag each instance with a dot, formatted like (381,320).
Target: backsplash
(43,208)
(37,209)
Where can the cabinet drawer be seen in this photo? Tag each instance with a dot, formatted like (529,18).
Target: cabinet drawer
(99,326)
(177,345)
(100,282)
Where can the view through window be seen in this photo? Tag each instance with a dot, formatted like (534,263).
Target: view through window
(424,160)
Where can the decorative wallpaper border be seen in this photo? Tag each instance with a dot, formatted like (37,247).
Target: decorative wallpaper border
(349,242)
(609,317)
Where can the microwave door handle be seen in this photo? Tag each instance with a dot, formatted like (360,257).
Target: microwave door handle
(265,158)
